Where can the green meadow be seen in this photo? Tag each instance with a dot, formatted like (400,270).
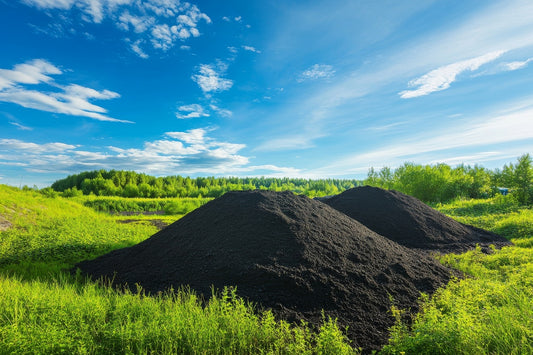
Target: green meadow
(47,309)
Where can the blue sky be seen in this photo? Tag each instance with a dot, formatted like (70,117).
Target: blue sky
(314,89)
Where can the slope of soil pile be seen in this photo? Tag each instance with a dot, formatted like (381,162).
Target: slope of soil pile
(410,222)
(286,252)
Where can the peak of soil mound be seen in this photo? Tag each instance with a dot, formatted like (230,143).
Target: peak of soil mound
(289,253)
(410,222)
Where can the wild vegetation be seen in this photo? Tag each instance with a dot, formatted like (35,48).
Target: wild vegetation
(491,310)
(429,183)
(442,183)
(132,184)
(46,309)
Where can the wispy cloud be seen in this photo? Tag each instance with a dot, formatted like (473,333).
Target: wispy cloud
(486,30)
(210,78)
(317,71)
(191,111)
(159,22)
(251,49)
(135,47)
(221,111)
(441,78)
(21,127)
(482,133)
(517,64)
(188,152)
(71,99)
(293,142)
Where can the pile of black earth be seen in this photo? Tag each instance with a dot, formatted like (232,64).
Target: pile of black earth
(410,222)
(288,253)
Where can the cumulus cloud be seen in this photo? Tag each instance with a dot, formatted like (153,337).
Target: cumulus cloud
(191,111)
(210,78)
(72,99)
(159,22)
(441,78)
(317,71)
(188,152)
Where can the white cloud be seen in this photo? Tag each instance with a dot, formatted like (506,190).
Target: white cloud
(188,152)
(492,27)
(138,24)
(72,100)
(191,111)
(441,78)
(21,127)
(517,65)
(48,148)
(162,37)
(512,126)
(210,79)
(294,142)
(251,49)
(221,111)
(32,72)
(50,4)
(160,22)
(138,50)
(225,18)
(317,71)
(193,136)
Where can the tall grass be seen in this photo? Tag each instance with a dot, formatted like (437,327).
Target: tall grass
(46,310)
(169,206)
(491,310)
(61,317)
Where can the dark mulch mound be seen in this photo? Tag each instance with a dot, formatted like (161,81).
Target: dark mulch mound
(286,252)
(410,222)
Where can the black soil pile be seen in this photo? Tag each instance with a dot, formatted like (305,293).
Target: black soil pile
(410,222)
(285,252)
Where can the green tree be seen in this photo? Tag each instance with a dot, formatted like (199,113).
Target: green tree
(523,179)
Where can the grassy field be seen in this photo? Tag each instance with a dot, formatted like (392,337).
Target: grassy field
(491,310)
(45,309)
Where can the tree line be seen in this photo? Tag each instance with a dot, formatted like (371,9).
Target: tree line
(132,184)
(429,183)
(442,183)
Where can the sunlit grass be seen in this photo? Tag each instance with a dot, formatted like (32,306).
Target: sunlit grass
(47,310)
(490,311)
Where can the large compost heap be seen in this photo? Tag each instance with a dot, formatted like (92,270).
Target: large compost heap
(410,222)
(288,253)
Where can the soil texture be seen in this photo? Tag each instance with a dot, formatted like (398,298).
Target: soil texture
(288,253)
(410,222)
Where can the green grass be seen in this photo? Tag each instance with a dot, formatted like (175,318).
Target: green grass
(46,310)
(490,311)
(169,206)
(52,234)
